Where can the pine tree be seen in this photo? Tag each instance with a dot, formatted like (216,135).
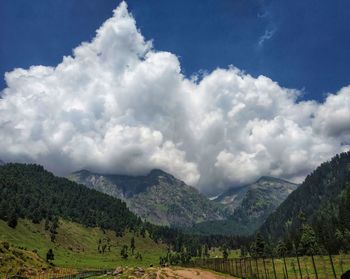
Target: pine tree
(225,253)
(260,245)
(281,249)
(124,252)
(308,242)
(12,220)
(132,245)
(50,256)
(206,251)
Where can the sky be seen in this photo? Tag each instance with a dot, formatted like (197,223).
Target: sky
(218,93)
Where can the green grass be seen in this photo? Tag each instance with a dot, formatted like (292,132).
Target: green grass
(14,260)
(323,266)
(76,245)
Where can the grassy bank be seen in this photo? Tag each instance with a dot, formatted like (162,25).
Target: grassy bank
(77,246)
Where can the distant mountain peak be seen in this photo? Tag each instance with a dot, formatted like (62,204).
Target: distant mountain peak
(83,171)
(266,178)
(153,172)
(159,172)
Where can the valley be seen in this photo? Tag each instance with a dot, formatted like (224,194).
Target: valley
(174,139)
(85,229)
(162,199)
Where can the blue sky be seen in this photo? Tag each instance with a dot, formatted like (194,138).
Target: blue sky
(299,44)
(120,106)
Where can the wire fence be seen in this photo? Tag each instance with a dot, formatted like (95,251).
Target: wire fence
(307,267)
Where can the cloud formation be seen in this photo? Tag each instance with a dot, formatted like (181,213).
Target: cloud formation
(117,105)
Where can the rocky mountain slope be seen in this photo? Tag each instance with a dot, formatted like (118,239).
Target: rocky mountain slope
(249,206)
(157,197)
(233,197)
(261,199)
(257,198)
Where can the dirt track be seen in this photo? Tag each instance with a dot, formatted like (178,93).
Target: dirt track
(188,273)
(165,273)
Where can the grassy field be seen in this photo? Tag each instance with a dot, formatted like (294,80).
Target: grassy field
(265,267)
(323,266)
(77,246)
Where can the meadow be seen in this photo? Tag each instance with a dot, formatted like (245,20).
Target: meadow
(75,247)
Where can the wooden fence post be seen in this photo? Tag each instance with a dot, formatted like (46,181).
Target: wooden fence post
(332,265)
(240,267)
(264,265)
(257,268)
(314,265)
(245,267)
(285,266)
(250,267)
(274,268)
(301,273)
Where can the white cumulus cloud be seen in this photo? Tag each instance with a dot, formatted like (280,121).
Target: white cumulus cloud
(117,105)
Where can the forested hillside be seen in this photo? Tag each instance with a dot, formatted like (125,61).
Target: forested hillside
(319,207)
(28,191)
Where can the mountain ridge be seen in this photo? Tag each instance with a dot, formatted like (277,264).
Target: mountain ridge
(157,197)
(249,205)
(233,197)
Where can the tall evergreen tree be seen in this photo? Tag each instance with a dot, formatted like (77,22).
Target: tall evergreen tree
(50,256)
(132,245)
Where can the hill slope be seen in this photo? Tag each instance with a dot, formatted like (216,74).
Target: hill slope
(28,191)
(158,197)
(249,205)
(323,199)
(75,246)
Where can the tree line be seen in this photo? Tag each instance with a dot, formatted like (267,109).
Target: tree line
(318,212)
(29,191)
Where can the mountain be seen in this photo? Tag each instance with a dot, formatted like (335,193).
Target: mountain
(157,197)
(253,203)
(322,200)
(249,206)
(260,199)
(2,163)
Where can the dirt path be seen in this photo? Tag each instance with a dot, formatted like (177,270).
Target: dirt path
(168,273)
(189,273)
